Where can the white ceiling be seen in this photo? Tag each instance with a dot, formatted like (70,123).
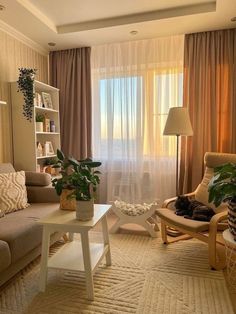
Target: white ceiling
(76,23)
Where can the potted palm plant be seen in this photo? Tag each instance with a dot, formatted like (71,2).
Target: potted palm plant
(222,188)
(77,184)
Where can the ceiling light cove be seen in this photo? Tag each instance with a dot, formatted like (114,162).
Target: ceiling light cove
(138,17)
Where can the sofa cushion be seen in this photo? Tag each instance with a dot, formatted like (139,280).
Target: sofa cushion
(5,255)
(169,215)
(37,178)
(21,230)
(13,195)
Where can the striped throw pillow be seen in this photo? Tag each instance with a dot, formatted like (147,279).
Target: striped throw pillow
(13,195)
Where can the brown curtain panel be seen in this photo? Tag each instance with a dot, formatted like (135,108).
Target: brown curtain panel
(70,72)
(210,95)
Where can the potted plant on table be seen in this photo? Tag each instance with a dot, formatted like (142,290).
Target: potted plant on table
(222,188)
(77,184)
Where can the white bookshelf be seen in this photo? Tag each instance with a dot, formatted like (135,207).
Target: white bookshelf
(25,137)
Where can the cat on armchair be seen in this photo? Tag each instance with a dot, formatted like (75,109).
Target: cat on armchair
(192,209)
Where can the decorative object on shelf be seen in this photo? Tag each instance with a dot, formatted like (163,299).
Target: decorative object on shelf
(47,100)
(80,181)
(48,166)
(52,126)
(48,149)
(222,188)
(26,86)
(38,100)
(178,124)
(39,122)
(46,125)
(39,149)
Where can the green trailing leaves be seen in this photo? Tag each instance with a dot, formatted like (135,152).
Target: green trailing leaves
(26,86)
(222,186)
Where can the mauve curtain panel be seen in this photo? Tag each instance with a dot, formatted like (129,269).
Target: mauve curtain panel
(210,95)
(70,72)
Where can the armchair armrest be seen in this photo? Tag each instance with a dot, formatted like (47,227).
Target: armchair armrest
(42,194)
(217,218)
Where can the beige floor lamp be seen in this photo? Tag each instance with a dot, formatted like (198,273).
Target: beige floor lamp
(178,124)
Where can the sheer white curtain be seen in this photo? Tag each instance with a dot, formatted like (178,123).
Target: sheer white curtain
(133,86)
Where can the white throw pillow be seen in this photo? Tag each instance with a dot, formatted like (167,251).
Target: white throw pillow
(13,195)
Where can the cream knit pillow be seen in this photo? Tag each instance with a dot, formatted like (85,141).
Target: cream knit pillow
(13,195)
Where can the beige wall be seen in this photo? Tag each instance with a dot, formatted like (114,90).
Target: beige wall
(13,55)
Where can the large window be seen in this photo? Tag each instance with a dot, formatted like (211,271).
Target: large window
(134,85)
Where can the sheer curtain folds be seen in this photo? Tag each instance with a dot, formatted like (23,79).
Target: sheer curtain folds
(133,86)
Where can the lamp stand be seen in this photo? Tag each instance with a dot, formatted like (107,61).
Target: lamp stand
(171,231)
(177,165)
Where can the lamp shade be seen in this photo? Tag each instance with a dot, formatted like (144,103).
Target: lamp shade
(178,122)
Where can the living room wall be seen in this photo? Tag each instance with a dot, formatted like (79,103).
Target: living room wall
(13,55)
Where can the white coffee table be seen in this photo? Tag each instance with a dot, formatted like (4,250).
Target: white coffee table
(75,255)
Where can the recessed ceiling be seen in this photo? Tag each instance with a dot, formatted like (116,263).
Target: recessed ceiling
(76,23)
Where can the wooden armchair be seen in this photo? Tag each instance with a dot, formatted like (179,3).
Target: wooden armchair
(208,232)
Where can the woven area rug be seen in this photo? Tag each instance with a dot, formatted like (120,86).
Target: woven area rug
(145,277)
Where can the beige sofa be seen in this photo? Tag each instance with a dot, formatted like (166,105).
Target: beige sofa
(20,234)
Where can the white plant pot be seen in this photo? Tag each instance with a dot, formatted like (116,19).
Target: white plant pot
(39,126)
(85,210)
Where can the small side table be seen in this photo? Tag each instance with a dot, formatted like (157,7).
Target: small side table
(230,246)
(85,256)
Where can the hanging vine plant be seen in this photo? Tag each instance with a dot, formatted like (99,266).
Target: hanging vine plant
(26,86)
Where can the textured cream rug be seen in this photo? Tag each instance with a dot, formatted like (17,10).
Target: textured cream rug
(145,277)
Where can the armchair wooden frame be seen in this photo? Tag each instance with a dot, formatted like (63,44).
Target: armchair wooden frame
(210,237)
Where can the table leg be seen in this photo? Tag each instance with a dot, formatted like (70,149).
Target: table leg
(44,259)
(106,240)
(87,264)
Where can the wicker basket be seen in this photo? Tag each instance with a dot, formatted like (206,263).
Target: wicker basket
(65,203)
(232,219)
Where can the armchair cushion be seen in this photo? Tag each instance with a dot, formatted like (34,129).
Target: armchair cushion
(37,178)
(201,193)
(169,215)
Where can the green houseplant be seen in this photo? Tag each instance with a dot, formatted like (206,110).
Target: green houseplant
(26,86)
(78,182)
(222,188)
(39,119)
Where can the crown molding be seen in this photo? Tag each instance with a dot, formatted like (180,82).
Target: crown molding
(24,39)
(38,14)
